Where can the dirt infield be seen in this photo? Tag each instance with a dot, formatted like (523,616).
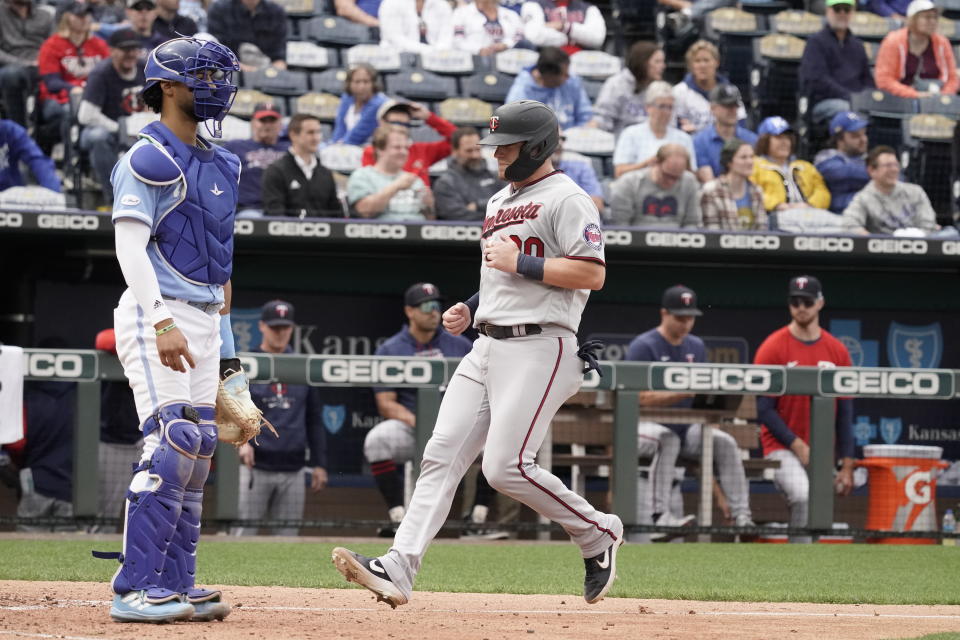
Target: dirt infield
(79,611)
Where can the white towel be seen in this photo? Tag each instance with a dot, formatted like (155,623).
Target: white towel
(11,394)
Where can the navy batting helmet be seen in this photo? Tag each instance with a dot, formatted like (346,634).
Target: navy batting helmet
(205,67)
(526,121)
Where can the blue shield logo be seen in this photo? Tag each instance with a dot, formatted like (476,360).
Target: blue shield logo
(334,417)
(246,331)
(915,347)
(890,429)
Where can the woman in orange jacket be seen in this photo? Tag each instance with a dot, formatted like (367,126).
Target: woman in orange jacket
(916,61)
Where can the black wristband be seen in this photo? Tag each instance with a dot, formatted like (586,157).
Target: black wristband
(472,303)
(530,266)
(229,366)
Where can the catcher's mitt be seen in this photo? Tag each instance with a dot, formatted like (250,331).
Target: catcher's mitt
(238,419)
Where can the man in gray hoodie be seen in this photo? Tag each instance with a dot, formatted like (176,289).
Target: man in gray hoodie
(23,28)
(461,193)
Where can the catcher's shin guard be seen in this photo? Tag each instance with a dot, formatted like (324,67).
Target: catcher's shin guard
(155,498)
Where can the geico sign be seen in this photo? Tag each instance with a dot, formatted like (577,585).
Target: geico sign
(737,241)
(669,239)
(453,232)
(897,245)
(835,245)
(949,248)
(299,229)
(617,237)
(72,222)
(719,378)
(387,371)
(11,219)
(377,231)
(53,365)
(897,383)
(252,367)
(243,227)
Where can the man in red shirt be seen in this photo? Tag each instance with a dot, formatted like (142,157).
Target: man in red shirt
(422,154)
(785,433)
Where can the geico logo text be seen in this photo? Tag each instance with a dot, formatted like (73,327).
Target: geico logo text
(749,241)
(301,229)
(897,245)
(899,383)
(837,245)
(453,232)
(377,231)
(720,378)
(667,239)
(68,221)
(11,219)
(53,365)
(388,371)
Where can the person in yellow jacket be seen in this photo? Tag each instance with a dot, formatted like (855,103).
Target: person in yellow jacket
(786,182)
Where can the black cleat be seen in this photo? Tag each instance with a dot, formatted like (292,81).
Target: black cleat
(601,570)
(369,573)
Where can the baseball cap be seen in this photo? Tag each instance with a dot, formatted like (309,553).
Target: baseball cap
(420,292)
(133,4)
(125,39)
(277,313)
(918,6)
(847,121)
(390,105)
(76,8)
(681,301)
(725,94)
(831,3)
(805,286)
(265,110)
(774,125)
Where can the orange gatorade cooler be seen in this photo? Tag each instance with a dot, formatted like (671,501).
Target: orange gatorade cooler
(903,486)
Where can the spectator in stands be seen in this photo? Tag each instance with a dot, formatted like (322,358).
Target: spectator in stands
(916,61)
(256,154)
(112,93)
(485,28)
(887,205)
(570,24)
(834,64)
(663,195)
(391,443)
(255,29)
(108,16)
(786,182)
(464,188)
(271,474)
(385,190)
(196,10)
(421,155)
(141,15)
(549,81)
(895,9)
(621,99)
(785,420)
(16,148)
(725,106)
(170,23)
(637,145)
(362,97)
(65,60)
(692,94)
(416,26)
(23,28)
(363,12)
(731,201)
(579,169)
(297,184)
(672,341)
(843,166)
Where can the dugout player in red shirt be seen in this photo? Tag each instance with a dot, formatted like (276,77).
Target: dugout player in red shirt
(785,431)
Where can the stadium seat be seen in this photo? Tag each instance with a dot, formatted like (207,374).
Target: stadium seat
(448,61)
(513,61)
(797,23)
(950,8)
(277,82)
(303,8)
(234,128)
(329,81)
(307,55)
(589,141)
(246,99)
(871,27)
(948,29)
(592,87)
(32,197)
(423,133)
(885,111)
(948,105)
(734,31)
(632,21)
(383,59)
(927,156)
(491,86)
(465,111)
(774,79)
(334,30)
(344,158)
(322,105)
(595,65)
(422,85)
(764,7)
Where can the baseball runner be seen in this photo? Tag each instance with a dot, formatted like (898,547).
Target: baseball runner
(542,254)
(175,200)
(786,419)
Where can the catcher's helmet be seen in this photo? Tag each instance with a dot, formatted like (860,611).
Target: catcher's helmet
(205,67)
(525,121)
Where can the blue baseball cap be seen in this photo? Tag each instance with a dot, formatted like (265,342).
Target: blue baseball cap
(774,125)
(847,121)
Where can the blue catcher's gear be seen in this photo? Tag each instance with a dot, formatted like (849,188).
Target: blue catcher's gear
(205,67)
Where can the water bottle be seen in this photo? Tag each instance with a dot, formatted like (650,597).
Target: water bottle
(949,526)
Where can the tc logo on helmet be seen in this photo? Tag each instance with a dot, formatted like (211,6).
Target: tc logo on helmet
(494,123)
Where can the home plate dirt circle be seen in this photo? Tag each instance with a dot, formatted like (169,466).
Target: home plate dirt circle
(80,611)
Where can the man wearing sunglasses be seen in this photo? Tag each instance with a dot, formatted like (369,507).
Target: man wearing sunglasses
(785,432)
(392,442)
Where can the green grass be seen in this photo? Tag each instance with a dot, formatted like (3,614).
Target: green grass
(744,572)
(939,636)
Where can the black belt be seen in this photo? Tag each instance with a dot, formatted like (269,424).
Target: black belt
(207,307)
(502,333)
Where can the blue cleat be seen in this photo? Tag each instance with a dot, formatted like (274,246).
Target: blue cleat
(153,605)
(208,605)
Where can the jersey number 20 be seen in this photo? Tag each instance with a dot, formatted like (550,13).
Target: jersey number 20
(533,246)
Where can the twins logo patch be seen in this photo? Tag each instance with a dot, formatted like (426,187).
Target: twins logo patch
(593,236)
(129,200)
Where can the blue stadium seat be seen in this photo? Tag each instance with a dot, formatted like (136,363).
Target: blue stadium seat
(885,112)
(247,99)
(774,79)
(490,86)
(797,23)
(278,82)
(329,81)
(927,158)
(945,104)
(307,55)
(734,32)
(419,84)
(337,31)
(870,27)
(322,105)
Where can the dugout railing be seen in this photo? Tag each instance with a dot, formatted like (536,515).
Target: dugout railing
(429,376)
